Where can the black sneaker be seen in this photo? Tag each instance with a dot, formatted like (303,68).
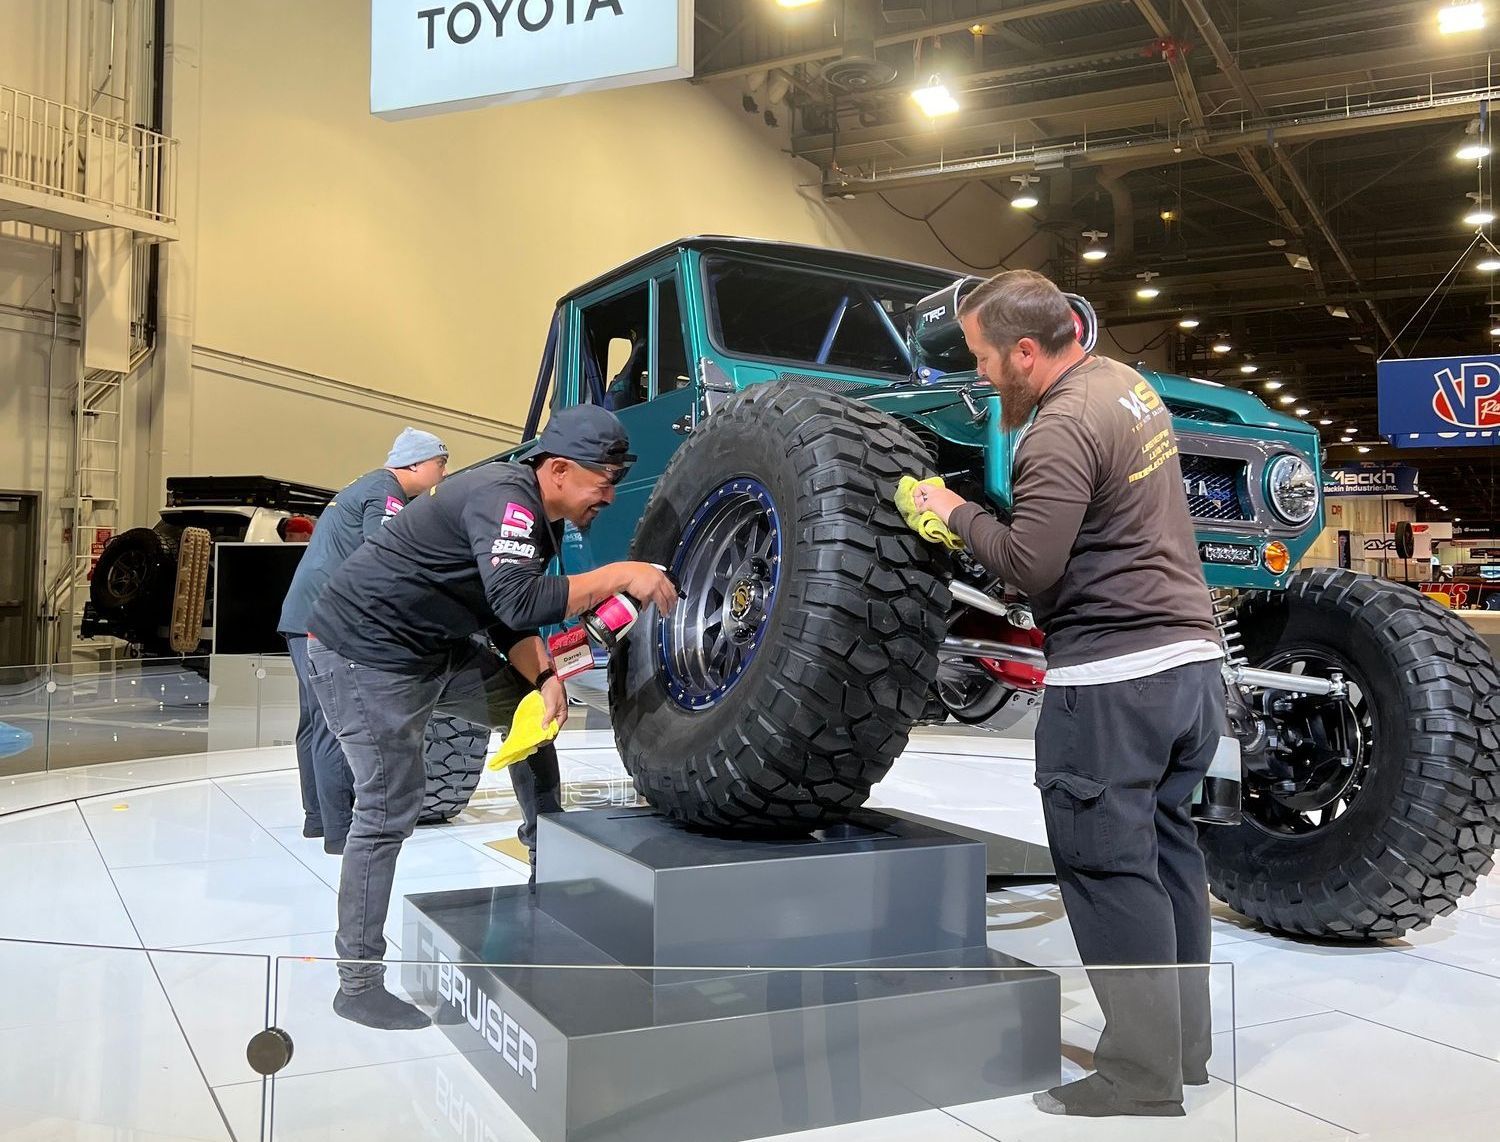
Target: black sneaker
(376,1007)
(312,829)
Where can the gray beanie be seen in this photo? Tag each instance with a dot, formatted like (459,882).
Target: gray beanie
(413,446)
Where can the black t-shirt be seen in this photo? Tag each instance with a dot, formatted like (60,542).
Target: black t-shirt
(355,514)
(469,556)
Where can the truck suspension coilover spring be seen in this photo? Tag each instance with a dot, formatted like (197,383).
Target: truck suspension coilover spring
(1227,620)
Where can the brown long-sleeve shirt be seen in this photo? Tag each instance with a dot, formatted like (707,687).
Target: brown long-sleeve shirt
(1100,538)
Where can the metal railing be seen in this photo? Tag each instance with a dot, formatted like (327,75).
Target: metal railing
(60,150)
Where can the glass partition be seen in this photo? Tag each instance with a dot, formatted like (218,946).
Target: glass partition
(113,1042)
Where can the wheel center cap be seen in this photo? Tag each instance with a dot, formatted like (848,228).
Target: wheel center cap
(745,601)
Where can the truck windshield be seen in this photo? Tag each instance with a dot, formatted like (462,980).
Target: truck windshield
(811,317)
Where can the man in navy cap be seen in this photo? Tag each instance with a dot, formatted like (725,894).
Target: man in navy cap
(416,463)
(411,623)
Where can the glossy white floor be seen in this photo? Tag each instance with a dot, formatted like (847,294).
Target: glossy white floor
(1391,1043)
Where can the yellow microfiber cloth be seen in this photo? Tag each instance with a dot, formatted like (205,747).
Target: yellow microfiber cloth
(526,733)
(926,524)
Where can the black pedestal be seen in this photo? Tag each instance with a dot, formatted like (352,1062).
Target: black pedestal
(587,1036)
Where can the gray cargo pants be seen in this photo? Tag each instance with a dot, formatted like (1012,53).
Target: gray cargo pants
(379,718)
(1117,765)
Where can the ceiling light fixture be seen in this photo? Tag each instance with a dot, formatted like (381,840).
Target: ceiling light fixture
(1286,399)
(1325,422)
(1147,291)
(1479,213)
(1460,17)
(1222,345)
(1271,386)
(1303,411)
(1488,266)
(1188,323)
(1247,368)
(797,3)
(1363,448)
(1473,152)
(935,99)
(1094,252)
(1025,199)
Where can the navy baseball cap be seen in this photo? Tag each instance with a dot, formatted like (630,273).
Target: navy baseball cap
(586,433)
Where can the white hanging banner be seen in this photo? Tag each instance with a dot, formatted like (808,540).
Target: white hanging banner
(432,56)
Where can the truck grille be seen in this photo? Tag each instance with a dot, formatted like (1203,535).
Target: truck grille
(1216,488)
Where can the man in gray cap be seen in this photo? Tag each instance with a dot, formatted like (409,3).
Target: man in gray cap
(411,623)
(416,463)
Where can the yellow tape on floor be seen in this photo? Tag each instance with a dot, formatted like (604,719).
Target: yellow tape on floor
(511,848)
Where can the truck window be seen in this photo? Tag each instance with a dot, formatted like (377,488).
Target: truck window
(673,370)
(794,314)
(616,360)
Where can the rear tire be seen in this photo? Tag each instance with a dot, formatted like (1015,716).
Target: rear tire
(1422,826)
(835,625)
(453,753)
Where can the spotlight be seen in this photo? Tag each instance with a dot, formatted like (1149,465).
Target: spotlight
(1188,323)
(1473,152)
(796,3)
(1325,422)
(1247,368)
(1148,293)
(1479,216)
(1271,386)
(1286,399)
(1025,199)
(1095,252)
(1495,330)
(1460,17)
(1303,411)
(1363,448)
(1488,266)
(1222,345)
(935,99)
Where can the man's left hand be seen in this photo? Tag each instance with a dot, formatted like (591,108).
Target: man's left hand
(555,699)
(940,501)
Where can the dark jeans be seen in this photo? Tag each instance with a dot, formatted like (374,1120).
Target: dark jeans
(327,783)
(1117,765)
(379,717)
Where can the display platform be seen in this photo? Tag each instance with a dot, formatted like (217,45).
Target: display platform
(887,999)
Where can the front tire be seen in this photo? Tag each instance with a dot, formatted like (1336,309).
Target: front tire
(1414,823)
(805,646)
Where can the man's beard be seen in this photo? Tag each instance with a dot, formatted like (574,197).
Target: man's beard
(1017,398)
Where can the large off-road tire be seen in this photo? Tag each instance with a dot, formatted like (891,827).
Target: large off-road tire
(1417,824)
(453,753)
(787,680)
(132,582)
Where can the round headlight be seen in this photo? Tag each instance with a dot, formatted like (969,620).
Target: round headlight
(1294,491)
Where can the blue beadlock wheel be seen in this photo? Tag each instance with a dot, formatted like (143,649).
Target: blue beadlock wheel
(729,566)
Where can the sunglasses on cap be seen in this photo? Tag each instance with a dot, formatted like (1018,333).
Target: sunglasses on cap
(614,473)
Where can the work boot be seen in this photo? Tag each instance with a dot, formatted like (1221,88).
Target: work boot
(1094,1098)
(376,1007)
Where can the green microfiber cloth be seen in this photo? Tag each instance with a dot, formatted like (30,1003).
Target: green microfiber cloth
(926,524)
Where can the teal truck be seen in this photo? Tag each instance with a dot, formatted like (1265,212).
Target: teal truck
(776,393)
